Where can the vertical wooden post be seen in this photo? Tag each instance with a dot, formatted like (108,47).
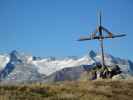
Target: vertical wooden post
(102,51)
(101,39)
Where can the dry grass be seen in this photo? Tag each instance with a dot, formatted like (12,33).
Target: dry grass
(87,90)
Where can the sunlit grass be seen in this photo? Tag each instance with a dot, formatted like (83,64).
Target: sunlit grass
(76,90)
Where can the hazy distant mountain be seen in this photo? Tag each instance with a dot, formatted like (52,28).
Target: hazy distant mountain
(20,68)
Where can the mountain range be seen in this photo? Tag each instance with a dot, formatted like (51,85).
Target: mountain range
(17,67)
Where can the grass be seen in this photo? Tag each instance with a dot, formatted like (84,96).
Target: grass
(77,90)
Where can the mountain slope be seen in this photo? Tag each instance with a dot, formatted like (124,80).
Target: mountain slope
(18,70)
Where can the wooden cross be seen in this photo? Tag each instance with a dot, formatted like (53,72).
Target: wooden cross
(98,34)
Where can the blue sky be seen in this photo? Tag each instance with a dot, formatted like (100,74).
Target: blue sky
(51,27)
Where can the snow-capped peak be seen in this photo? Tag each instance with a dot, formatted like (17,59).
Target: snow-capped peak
(92,54)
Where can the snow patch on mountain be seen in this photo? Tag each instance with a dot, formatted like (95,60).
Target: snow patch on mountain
(48,67)
(4,59)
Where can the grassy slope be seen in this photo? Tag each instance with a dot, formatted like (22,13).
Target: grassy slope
(89,90)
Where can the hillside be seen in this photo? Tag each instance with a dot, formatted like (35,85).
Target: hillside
(87,90)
